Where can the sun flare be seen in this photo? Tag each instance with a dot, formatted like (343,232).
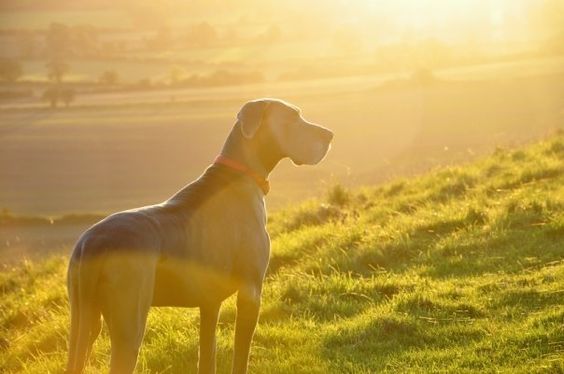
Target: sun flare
(447,20)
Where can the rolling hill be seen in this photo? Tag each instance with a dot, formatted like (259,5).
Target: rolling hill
(459,270)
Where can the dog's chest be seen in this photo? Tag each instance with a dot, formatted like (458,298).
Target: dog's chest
(219,243)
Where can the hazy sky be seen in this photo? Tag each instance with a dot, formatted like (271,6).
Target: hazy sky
(494,20)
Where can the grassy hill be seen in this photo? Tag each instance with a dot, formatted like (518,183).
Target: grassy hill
(460,270)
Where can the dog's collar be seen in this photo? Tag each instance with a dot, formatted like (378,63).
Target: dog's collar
(263,183)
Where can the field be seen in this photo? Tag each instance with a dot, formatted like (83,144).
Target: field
(116,151)
(113,151)
(458,270)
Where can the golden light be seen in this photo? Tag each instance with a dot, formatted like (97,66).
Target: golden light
(454,19)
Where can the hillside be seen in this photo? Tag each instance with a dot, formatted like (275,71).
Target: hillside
(460,270)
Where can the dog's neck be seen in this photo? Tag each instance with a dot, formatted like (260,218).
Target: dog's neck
(252,153)
(243,169)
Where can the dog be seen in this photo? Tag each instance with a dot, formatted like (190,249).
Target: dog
(205,243)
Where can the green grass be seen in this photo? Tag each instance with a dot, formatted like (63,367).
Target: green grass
(460,270)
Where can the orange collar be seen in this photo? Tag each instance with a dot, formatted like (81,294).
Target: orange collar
(263,183)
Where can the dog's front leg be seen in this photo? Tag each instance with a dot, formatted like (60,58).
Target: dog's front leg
(208,323)
(248,305)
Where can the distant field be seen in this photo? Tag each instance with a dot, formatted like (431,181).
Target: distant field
(157,68)
(115,151)
(458,271)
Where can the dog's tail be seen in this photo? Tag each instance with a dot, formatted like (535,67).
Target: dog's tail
(86,323)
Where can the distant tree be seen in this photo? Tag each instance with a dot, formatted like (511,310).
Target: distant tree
(58,49)
(10,70)
(109,78)
(67,95)
(55,93)
(56,69)
(51,95)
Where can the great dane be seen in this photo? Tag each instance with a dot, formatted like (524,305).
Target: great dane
(197,248)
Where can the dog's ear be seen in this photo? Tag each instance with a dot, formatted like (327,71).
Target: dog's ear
(251,116)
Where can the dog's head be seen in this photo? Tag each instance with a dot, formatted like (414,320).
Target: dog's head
(281,128)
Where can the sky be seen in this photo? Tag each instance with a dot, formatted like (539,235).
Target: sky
(451,21)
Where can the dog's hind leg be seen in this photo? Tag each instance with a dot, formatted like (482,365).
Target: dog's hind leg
(125,309)
(82,339)
(126,322)
(85,316)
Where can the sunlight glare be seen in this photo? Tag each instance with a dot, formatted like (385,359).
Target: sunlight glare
(433,18)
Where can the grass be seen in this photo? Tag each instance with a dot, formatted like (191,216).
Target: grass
(460,271)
